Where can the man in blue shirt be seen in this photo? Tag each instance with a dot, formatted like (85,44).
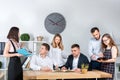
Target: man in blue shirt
(94,49)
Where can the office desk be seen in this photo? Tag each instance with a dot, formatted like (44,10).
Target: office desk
(64,75)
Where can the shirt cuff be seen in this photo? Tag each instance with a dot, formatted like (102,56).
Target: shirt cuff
(38,68)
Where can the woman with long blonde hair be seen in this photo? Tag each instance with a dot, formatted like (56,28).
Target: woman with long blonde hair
(56,52)
(57,42)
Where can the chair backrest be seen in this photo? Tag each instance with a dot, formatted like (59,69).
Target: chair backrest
(26,63)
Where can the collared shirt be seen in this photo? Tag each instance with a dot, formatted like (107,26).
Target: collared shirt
(94,47)
(75,62)
(37,62)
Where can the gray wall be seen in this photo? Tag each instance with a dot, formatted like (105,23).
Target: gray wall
(81,16)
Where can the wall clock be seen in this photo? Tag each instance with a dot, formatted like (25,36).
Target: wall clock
(55,23)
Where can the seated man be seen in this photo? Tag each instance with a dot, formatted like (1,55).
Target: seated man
(41,61)
(75,60)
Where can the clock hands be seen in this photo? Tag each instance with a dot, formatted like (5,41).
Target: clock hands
(52,21)
(55,23)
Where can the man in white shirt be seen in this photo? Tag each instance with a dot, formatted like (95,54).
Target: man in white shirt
(94,49)
(41,61)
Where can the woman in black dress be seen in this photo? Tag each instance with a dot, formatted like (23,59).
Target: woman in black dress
(15,71)
(110,52)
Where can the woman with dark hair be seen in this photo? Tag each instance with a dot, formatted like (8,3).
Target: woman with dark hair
(110,52)
(15,71)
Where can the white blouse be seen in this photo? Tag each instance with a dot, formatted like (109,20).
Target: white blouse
(58,56)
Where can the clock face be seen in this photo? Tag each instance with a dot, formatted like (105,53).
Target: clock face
(55,23)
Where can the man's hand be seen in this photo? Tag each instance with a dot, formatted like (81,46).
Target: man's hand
(63,68)
(46,69)
(77,70)
(101,55)
(93,57)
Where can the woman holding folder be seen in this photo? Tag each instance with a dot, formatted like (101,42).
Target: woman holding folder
(15,71)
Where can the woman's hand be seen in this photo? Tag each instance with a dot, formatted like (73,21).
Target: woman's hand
(99,60)
(46,69)
(19,55)
(103,61)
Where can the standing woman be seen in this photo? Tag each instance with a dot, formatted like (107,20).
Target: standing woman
(15,71)
(110,53)
(56,52)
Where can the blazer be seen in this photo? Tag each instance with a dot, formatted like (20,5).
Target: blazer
(82,59)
